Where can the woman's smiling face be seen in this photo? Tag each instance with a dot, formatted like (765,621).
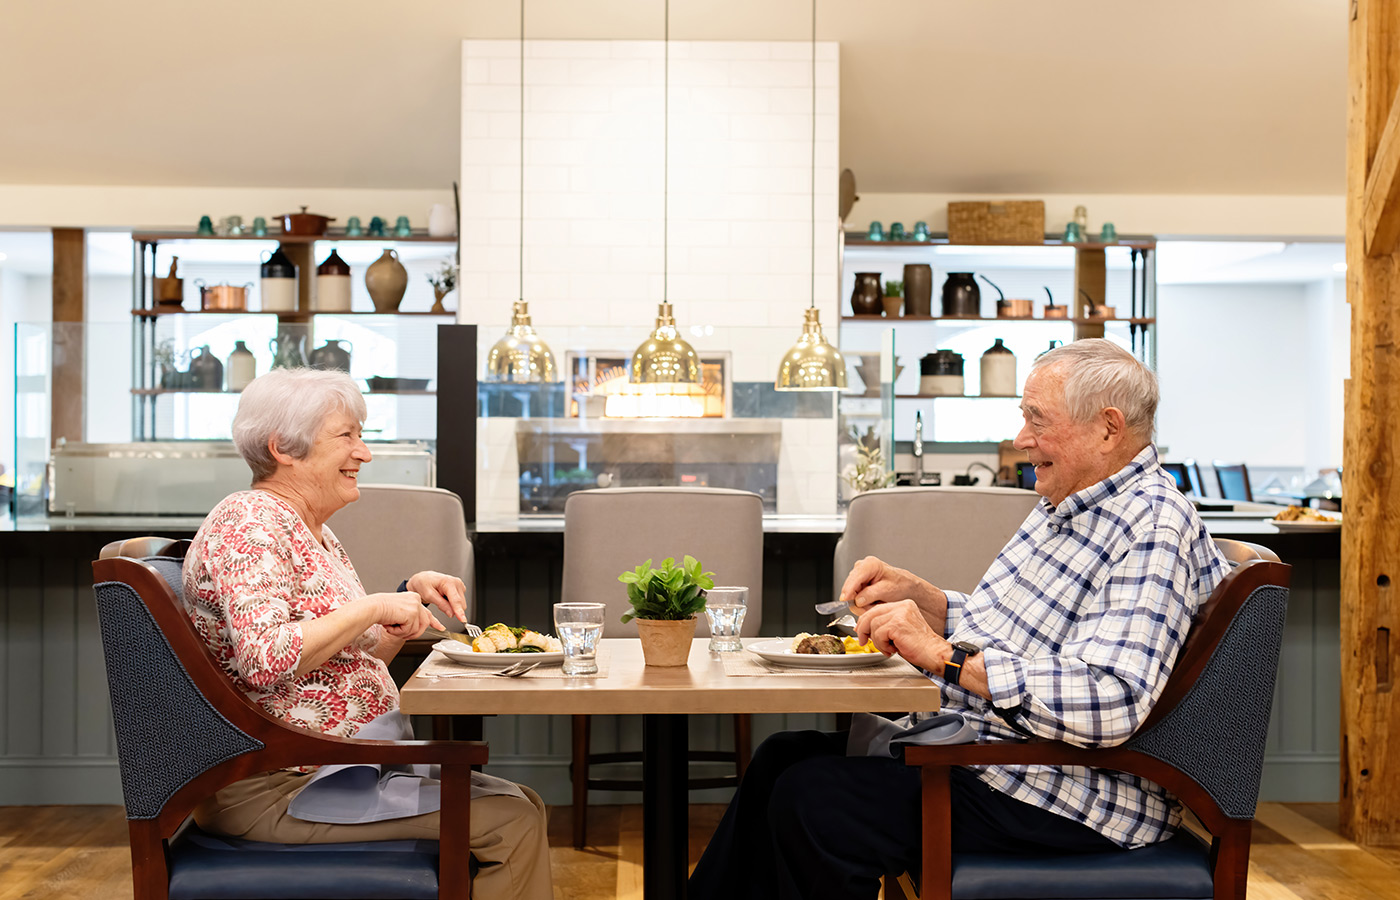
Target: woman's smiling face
(328,476)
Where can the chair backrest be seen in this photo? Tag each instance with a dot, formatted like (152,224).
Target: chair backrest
(395,530)
(946,535)
(1233,481)
(1181,475)
(176,715)
(1193,477)
(609,531)
(1212,718)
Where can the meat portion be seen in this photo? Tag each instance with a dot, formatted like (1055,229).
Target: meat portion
(828,644)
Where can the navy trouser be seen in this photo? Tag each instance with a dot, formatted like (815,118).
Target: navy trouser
(810,822)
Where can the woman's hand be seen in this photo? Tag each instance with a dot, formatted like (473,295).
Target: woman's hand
(443,591)
(403,615)
(872,581)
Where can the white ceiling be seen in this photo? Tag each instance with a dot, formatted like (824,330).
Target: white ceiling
(1016,96)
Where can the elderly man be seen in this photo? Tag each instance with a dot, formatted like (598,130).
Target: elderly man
(1069,636)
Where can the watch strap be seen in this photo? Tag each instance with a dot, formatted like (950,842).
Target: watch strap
(952,669)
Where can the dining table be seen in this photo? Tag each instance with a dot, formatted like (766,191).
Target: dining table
(710,683)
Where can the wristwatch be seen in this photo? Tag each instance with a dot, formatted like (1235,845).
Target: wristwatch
(952,669)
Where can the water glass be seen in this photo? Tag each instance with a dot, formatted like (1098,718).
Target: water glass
(579,626)
(725,607)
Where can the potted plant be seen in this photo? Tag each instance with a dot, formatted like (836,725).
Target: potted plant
(443,280)
(893,299)
(867,473)
(665,603)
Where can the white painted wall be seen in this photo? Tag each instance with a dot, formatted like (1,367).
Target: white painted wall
(741,256)
(1328,323)
(1238,365)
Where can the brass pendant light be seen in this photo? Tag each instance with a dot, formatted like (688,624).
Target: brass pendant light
(812,364)
(665,357)
(521,355)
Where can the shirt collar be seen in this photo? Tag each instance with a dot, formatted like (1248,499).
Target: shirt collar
(1098,494)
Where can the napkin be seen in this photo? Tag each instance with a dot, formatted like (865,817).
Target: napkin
(873,735)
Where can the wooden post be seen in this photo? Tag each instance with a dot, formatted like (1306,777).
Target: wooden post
(1370,740)
(1090,277)
(69,280)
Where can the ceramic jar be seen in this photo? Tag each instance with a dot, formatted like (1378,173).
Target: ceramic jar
(998,371)
(441,221)
(333,285)
(206,371)
(278,287)
(941,374)
(241,367)
(331,355)
(961,296)
(386,279)
(918,289)
(865,299)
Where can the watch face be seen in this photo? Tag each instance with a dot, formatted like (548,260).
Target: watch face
(966,647)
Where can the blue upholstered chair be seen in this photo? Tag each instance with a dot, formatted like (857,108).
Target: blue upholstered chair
(184,731)
(1203,741)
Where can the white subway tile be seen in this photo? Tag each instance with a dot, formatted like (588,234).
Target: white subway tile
(636,49)
(490,151)
(611,71)
(699,72)
(569,98)
(699,234)
(637,100)
(477,48)
(475,71)
(557,49)
(506,71)
(549,71)
(490,98)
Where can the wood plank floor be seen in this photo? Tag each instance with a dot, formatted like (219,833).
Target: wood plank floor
(80,852)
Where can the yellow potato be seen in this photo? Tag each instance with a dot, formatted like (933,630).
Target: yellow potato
(853,646)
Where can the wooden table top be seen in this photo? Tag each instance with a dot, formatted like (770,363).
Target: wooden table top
(631,687)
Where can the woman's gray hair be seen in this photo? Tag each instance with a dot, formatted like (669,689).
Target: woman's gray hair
(291,405)
(1098,374)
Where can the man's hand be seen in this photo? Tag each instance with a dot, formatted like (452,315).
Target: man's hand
(445,592)
(900,627)
(872,581)
(403,615)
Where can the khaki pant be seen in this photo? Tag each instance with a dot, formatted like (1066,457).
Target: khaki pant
(508,837)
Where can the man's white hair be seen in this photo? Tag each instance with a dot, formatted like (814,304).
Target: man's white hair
(1098,374)
(291,405)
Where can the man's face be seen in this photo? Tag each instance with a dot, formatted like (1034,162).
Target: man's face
(1068,456)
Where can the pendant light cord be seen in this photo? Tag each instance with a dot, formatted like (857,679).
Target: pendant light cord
(812,247)
(520,284)
(666,159)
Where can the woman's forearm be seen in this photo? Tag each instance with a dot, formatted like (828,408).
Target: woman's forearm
(323,637)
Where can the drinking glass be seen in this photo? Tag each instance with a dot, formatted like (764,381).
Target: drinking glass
(579,626)
(724,607)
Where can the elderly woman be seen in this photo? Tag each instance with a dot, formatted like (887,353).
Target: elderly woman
(273,594)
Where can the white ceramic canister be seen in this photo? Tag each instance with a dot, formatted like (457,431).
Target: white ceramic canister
(277,287)
(242,368)
(333,285)
(941,374)
(998,371)
(442,222)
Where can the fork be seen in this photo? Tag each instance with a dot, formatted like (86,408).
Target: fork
(511,671)
(473,631)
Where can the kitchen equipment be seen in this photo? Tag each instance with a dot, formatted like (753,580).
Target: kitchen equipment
(279,282)
(170,290)
(1009,309)
(397,384)
(222,296)
(207,371)
(1098,311)
(1003,222)
(333,284)
(287,352)
(941,374)
(1051,310)
(998,371)
(918,289)
(305,223)
(332,355)
(962,298)
(402,228)
(241,367)
(865,299)
(441,221)
(386,279)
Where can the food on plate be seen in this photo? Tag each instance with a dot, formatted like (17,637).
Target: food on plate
(1302,514)
(501,638)
(825,644)
(852,645)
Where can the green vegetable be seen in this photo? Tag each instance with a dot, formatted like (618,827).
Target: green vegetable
(667,592)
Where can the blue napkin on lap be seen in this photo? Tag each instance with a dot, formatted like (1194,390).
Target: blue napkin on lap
(873,735)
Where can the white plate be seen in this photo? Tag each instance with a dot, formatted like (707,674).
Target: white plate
(1308,526)
(779,651)
(460,652)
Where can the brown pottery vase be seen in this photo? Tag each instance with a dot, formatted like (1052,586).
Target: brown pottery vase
(865,299)
(386,279)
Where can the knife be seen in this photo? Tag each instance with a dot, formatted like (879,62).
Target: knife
(830,607)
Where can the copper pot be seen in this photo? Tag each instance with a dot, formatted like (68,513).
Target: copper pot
(1057,312)
(1014,309)
(1101,312)
(222,296)
(305,223)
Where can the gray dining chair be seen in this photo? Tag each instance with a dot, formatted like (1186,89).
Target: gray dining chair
(948,536)
(612,530)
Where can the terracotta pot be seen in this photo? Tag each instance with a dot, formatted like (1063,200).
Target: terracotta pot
(386,279)
(892,306)
(666,642)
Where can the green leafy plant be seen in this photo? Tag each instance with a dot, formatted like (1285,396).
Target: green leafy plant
(867,473)
(668,591)
(894,289)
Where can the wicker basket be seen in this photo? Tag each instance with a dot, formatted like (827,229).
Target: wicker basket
(1009,222)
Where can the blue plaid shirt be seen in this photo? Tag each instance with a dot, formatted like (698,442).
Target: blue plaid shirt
(1080,619)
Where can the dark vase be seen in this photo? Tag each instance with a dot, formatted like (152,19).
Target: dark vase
(961,297)
(918,289)
(865,299)
(332,355)
(206,370)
